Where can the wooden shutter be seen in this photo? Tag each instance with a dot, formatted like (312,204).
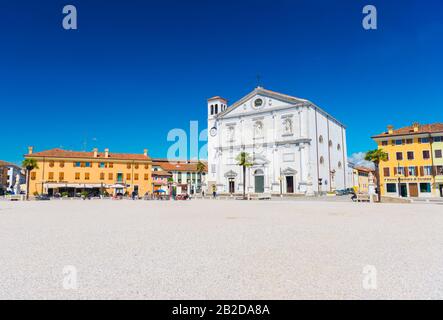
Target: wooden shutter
(416,170)
(395,171)
(422,171)
(406,169)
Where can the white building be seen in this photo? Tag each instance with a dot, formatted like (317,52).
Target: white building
(295,146)
(12,172)
(184,173)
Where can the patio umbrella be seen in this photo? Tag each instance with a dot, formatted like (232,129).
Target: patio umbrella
(160,191)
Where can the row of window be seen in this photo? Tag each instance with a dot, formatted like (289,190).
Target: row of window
(61,176)
(413,171)
(102,165)
(398,142)
(322,161)
(320,139)
(214,108)
(424,187)
(426,154)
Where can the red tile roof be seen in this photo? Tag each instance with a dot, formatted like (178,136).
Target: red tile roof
(7,164)
(178,165)
(161,173)
(409,130)
(364,169)
(217,97)
(59,153)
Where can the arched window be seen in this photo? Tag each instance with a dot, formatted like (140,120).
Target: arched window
(330,143)
(338,147)
(320,139)
(258,172)
(322,160)
(212,109)
(339,164)
(216,108)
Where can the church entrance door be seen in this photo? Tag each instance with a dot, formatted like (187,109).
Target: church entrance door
(259,184)
(231,186)
(289,184)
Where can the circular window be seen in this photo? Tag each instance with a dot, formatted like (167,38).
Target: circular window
(258,103)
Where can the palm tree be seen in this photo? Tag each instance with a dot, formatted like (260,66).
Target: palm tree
(244,160)
(201,167)
(376,156)
(29,165)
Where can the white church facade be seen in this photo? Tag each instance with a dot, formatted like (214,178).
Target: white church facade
(294,146)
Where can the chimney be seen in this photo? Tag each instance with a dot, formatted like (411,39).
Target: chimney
(95,152)
(416,126)
(390,129)
(145,152)
(30,149)
(106,153)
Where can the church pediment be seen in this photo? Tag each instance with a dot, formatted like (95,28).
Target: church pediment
(260,100)
(289,172)
(260,160)
(230,174)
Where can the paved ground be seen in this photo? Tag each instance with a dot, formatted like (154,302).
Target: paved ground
(204,249)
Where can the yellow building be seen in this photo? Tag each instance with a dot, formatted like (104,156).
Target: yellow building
(361,179)
(437,150)
(414,165)
(70,173)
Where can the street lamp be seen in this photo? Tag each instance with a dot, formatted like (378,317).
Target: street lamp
(398,177)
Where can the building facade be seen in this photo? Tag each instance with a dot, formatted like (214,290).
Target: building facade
(415,165)
(185,174)
(360,179)
(3,178)
(72,172)
(161,181)
(295,147)
(11,178)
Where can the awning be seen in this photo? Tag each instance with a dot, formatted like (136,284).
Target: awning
(75,185)
(118,186)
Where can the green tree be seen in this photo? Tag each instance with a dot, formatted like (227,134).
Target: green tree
(201,167)
(29,164)
(244,160)
(376,156)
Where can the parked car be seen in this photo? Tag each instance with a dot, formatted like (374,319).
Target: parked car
(42,197)
(183,196)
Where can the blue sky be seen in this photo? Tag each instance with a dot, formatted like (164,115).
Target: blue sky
(136,69)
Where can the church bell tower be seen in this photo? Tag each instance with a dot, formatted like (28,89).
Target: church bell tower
(216,105)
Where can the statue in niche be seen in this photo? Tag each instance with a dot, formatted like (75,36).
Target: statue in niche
(258,129)
(288,126)
(231,133)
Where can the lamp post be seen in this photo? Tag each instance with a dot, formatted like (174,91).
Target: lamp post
(398,181)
